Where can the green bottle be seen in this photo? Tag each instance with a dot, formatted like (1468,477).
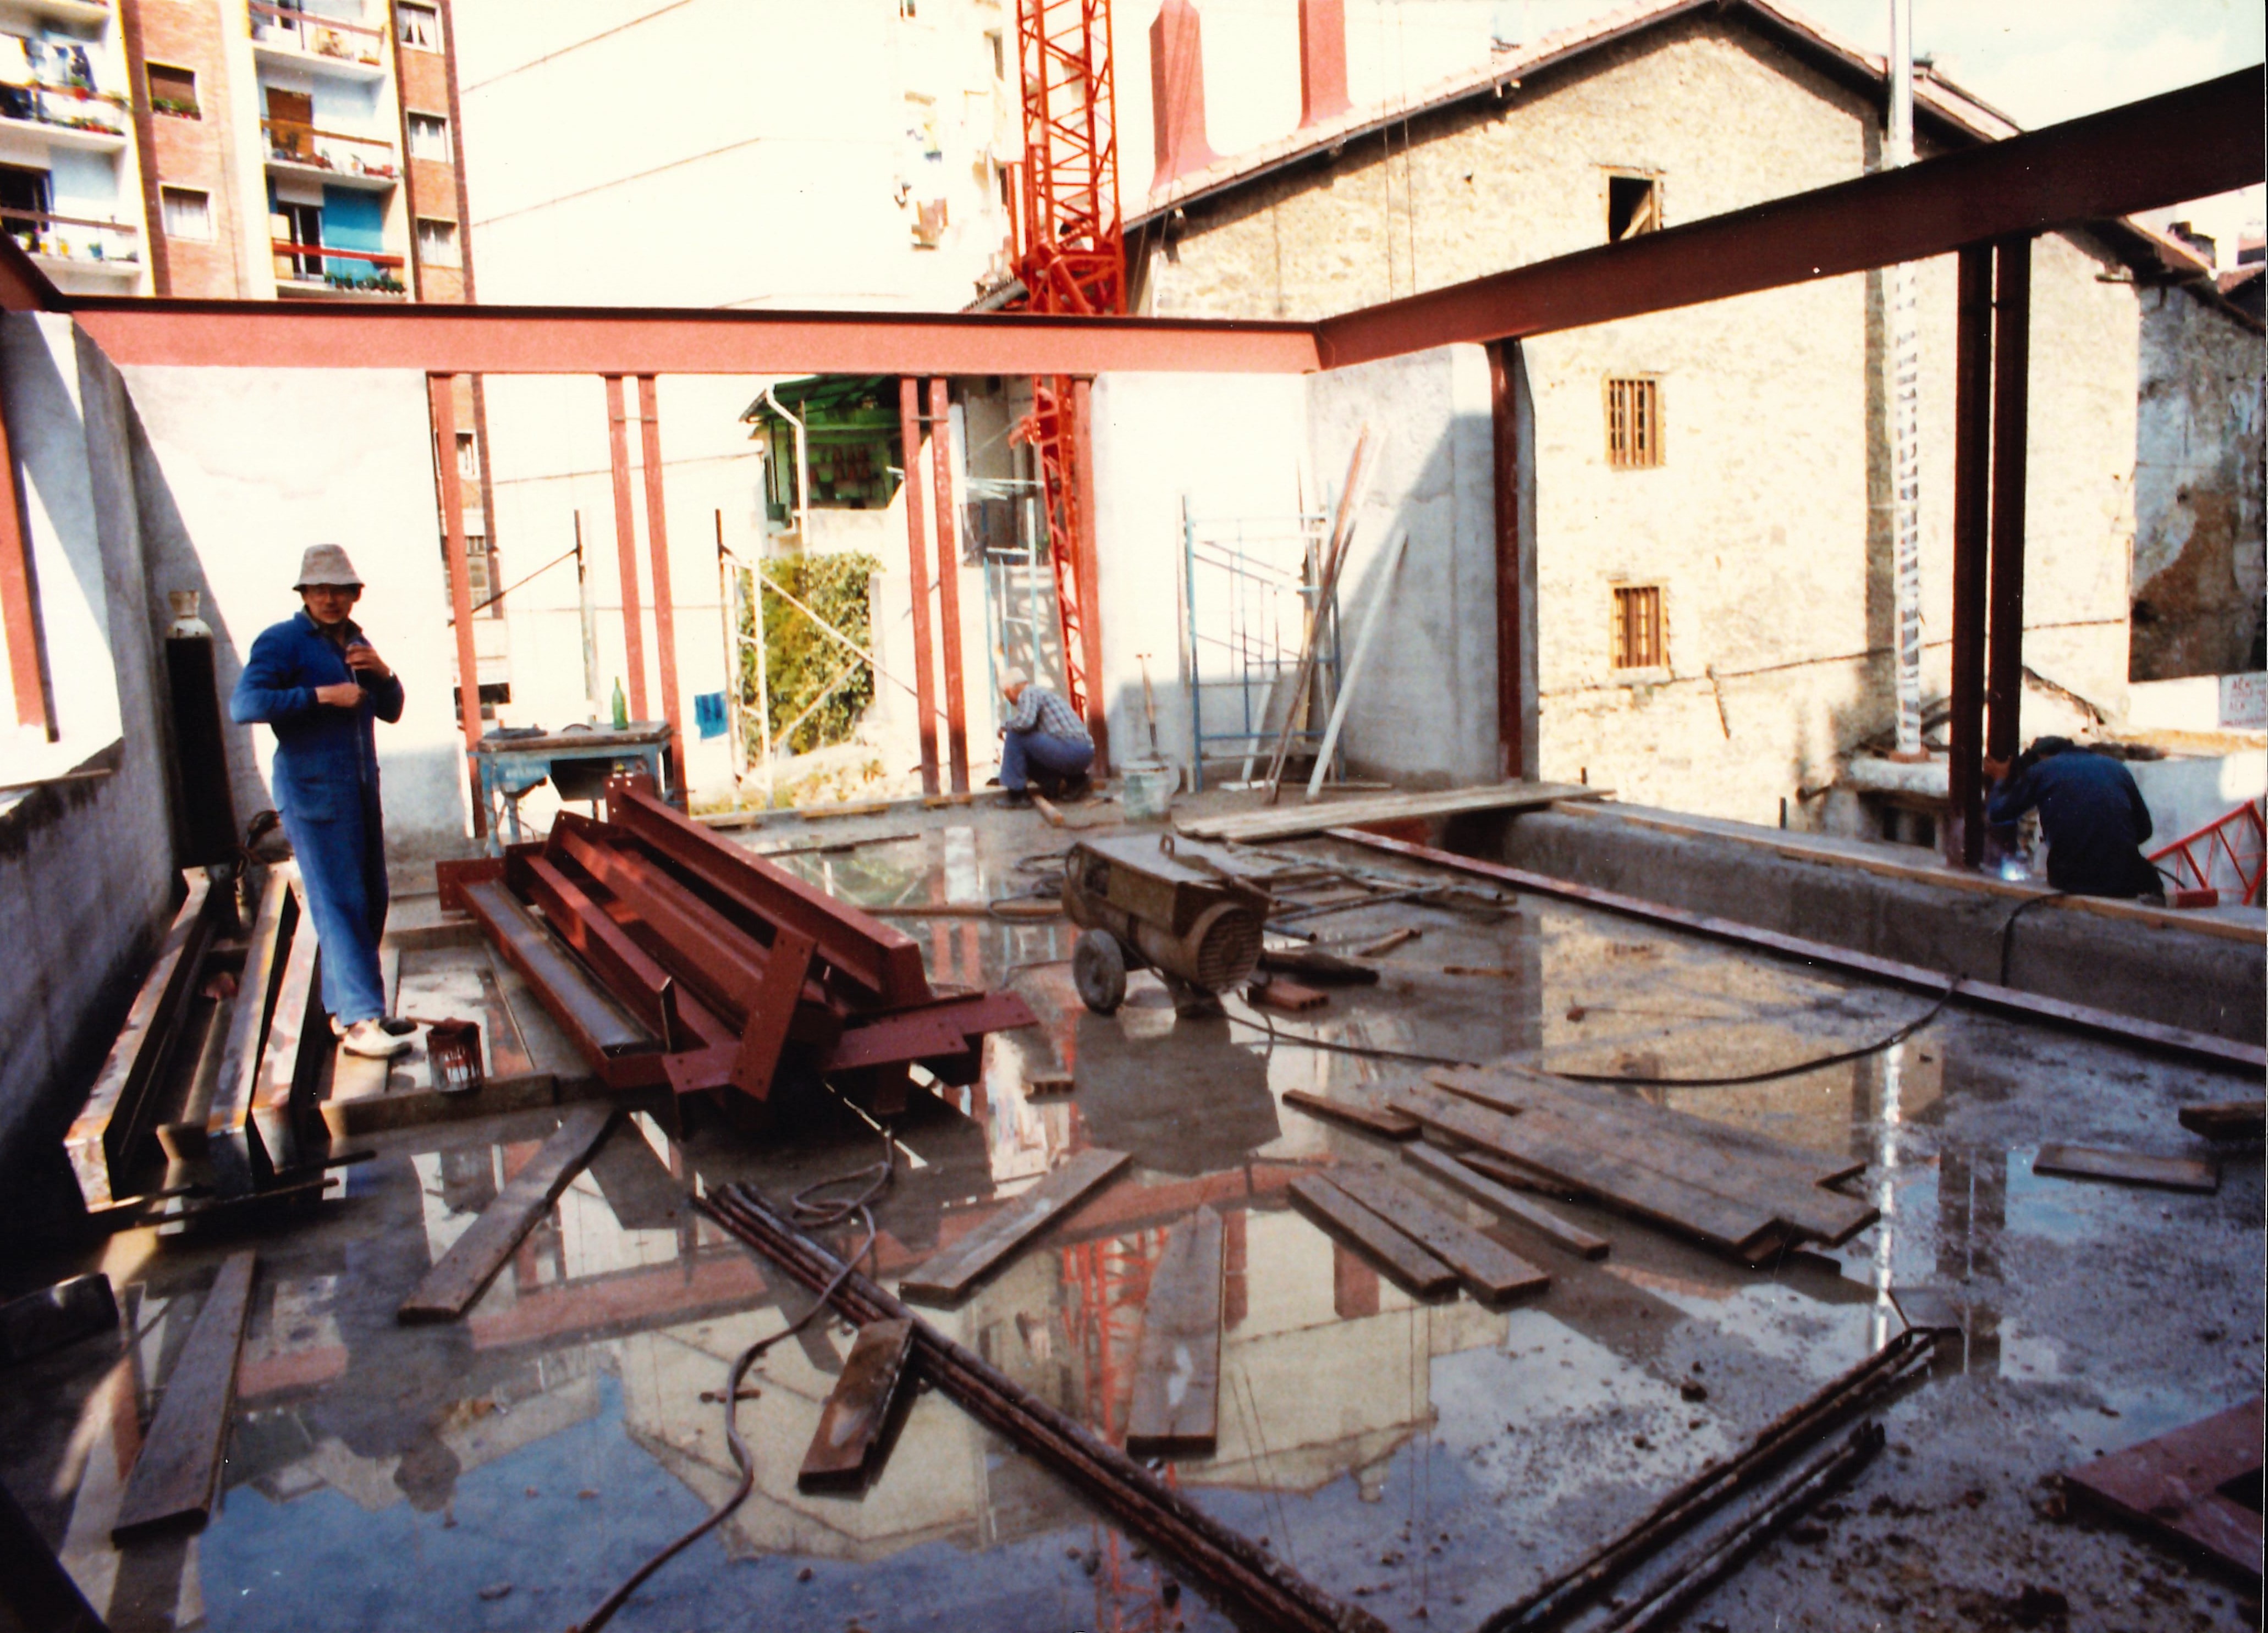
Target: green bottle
(622,706)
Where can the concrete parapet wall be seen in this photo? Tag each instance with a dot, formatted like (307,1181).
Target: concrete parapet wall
(2163,972)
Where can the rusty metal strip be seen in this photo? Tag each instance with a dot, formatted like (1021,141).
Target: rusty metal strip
(948,583)
(657,544)
(914,451)
(1964,836)
(1982,994)
(442,390)
(2012,333)
(618,451)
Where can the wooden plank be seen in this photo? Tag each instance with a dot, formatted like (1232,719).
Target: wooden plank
(472,1261)
(1489,1269)
(117,1114)
(1291,821)
(2173,1484)
(1176,1408)
(841,1453)
(1366,1114)
(240,1163)
(2087,1162)
(177,1478)
(1530,1140)
(2226,1119)
(1410,1265)
(1506,1203)
(948,1275)
(1633,1132)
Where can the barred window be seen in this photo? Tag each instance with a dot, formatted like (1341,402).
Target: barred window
(1633,424)
(1637,633)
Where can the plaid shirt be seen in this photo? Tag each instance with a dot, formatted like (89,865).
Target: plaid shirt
(1039,707)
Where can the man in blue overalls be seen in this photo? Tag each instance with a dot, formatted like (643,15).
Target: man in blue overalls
(318,683)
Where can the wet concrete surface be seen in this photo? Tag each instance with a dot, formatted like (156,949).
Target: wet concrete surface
(1428,1461)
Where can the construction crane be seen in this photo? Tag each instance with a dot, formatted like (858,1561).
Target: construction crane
(1071,257)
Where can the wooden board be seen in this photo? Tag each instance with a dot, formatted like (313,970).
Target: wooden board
(1176,1409)
(950,1275)
(841,1453)
(2087,1162)
(1746,1166)
(231,1133)
(1367,1115)
(117,1114)
(1507,1203)
(177,1478)
(2226,1119)
(1741,1228)
(2173,1484)
(472,1261)
(1404,1259)
(1290,821)
(1490,1270)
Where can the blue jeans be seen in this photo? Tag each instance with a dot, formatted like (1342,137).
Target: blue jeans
(1060,756)
(343,881)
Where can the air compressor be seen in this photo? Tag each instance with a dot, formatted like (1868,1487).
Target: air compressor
(1141,905)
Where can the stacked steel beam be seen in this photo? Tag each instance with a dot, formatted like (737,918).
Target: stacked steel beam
(672,956)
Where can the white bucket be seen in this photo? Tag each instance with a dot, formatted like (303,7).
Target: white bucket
(1147,789)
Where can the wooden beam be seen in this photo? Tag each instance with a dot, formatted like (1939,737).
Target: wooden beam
(950,1275)
(1507,1203)
(1176,1406)
(843,1447)
(1382,1120)
(2086,1162)
(1490,1271)
(177,1478)
(1409,1264)
(451,1286)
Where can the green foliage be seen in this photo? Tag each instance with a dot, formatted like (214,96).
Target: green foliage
(803,660)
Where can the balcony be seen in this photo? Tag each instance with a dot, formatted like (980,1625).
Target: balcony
(66,116)
(326,45)
(306,271)
(109,250)
(336,157)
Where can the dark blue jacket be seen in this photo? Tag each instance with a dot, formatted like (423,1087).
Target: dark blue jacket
(2093,818)
(326,757)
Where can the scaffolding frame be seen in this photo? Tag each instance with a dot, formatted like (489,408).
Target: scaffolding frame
(1247,583)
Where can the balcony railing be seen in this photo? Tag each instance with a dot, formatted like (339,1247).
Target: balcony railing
(73,238)
(292,142)
(74,107)
(315,35)
(310,263)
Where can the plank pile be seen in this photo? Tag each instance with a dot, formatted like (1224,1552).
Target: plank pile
(1427,1249)
(672,956)
(1733,1190)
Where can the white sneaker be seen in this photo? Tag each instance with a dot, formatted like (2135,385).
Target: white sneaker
(370,1039)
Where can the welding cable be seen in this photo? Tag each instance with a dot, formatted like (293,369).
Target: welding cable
(1275,1037)
(1774,1073)
(2008,924)
(821,1215)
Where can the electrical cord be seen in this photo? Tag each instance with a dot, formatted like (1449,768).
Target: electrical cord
(2008,924)
(821,1215)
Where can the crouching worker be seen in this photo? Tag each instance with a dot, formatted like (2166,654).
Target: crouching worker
(2090,812)
(318,684)
(1043,742)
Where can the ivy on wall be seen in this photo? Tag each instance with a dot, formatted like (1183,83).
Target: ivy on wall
(802,661)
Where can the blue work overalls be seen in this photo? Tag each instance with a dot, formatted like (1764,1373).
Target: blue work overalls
(326,781)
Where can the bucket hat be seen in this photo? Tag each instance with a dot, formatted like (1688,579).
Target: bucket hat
(327,564)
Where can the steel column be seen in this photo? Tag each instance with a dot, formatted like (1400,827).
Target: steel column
(1972,512)
(665,603)
(20,611)
(948,583)
(909,437)
(1515,755)
(442,390)
(1090,600)
(626,549)
(2011,327)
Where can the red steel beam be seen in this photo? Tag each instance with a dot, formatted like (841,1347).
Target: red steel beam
(2003,652)
(910,439)
(626,548)
(948,585)
(2187,144)
(665,603)
(441,389)
(1972,515)
(569,340)
(19,610)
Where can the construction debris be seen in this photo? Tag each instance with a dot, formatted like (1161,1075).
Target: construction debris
(2180,1484)
(2226,1119)
(2168,1173)
(176,1479)
(950,1275)
(853,1423)
(1318,968)
(1288,997)
(1507,1205)
(1388,942)
(1176,1406)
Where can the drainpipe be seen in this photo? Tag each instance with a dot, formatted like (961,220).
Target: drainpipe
(802,473)
(1905,407)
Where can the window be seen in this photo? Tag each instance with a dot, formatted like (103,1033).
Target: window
(173,90)
(1633,424)
(1638,632)
(297,224)
(429,136)
(189,213)
(419,26)
(1000,53)
(437,242)
(469,457)
(23,204)
(1633,206)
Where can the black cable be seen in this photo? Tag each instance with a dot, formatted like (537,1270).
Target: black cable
(2008,924)
(1268,1027)
(816,1216)
(1776,1072)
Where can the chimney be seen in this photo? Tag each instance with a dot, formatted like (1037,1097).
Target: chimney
(1177,111)
(1322,60)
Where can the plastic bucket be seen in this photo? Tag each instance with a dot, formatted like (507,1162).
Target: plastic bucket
(1147,789)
